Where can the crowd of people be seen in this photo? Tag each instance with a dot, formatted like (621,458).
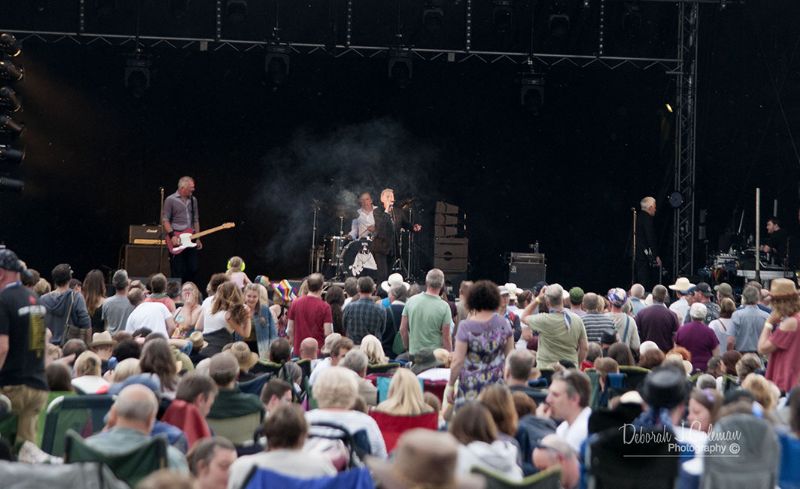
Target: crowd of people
(423,389)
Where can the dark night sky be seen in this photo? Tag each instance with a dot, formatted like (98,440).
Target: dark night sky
(567,178)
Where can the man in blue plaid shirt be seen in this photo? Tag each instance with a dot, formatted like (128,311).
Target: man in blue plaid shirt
(363,316)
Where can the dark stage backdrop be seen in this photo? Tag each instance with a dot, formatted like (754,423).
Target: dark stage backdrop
(568,178)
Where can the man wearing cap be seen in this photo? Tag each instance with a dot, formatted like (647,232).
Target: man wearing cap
(647,255)
(657,323)
(22,347)
(363,316)
(511,317)
(386,286)
(562,335)
(626,329)
(684,290)
(724,290)
(117,308)
(747,323)
(576,301)
(103,345)
(702,294)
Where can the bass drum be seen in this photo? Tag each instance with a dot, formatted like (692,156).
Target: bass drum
(357,260)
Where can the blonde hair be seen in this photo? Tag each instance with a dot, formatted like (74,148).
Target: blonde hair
(443,356)
(405,396)
(195,291)
(764,391)
(255,288)
(126,368)
(88,363)
(235,264)
(373,349)
(336,387)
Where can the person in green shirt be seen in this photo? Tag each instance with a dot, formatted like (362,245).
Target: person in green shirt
(426,317)
(562,335)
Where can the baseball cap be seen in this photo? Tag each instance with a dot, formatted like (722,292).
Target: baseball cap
(704,288)
(9,261)
(617,297)
(724,289)
(503,290)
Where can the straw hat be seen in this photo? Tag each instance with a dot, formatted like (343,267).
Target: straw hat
(423,458)
(782,288)
(681,285)
(394,279)
(198,343)
(101,339)
(244,357)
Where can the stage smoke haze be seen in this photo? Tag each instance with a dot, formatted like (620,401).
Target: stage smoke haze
(330,170)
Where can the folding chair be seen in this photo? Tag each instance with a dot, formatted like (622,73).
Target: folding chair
(615,463)
(238,430)
(130,467)
(358,478)
(748,454)
(51,397)
(393,426)
(255,385)
(84,414)
(634,376)
(547,479)
(19,475)
(383,368)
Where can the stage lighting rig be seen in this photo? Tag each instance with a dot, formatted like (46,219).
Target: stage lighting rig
(277,63)
(10,126)
(11,185)
(11,156)
(9,44)
(236,10)
(10,72)
(137,73)
(9,101)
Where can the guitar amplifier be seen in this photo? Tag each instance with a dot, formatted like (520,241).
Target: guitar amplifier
(143,261)
(149,234)
(526,275)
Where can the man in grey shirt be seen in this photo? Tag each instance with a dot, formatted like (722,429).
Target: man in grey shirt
(181,214)
(117,308)
(746,323)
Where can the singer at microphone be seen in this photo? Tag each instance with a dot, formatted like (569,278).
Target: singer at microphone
(181,215)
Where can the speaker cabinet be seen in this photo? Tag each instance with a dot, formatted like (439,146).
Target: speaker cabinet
(526,275)
(450,254)
(142,260)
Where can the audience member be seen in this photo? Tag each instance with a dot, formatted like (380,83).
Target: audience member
(59,378)
(87,379)
(426,317)
(568,400)
(697,338)
(227,314)
(357,361)
(230,401)
(595,321)
(157,358)
(65,306)
(721,325)
(310,316)
(210,462)
(657,323)
(405,396)
(747,323)
(561,334)
(117,308)
(338,352)
(151,315)
(519,364)
(779,336)
(275,393)
(363,316)
(621,354)
(554,451)
(373,349)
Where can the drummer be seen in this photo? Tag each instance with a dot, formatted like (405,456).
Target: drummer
(374,226)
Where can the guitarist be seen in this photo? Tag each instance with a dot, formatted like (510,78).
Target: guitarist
(648,260)
(180,215)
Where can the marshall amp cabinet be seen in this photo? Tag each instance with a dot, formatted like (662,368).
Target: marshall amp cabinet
(144,234)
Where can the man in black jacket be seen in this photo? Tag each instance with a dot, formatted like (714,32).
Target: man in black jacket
(647,256)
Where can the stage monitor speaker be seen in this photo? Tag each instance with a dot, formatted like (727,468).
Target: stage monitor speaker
(526,275)
(450,254)
(142,260)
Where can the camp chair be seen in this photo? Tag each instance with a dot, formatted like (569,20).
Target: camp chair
(265,367)
(187,417)
(435,387)
(51,396)
(8,428)
(238,430)
(18,475)
(634,376)
(614,463)
(546,479)
(255,385)
(130,467)
(546,374)
(790,453)
(393,426)
(84,414)
(357,478)
(357,444)
(305,366)
(383,368)
(383,384)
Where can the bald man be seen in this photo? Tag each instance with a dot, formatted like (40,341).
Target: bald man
(130,422)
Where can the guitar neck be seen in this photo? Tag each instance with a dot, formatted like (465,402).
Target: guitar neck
(209,231)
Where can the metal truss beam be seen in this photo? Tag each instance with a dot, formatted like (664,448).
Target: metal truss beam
(686,115)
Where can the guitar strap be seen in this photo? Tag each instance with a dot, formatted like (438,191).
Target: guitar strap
(625,333)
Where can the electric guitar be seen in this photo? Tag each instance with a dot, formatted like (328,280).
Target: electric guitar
(188,234)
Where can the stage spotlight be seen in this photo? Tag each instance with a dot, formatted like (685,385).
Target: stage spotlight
(137,74)
(669,107)
(277,63)
(531,93)
(11,155)
(11,185)
(236,10)
(433,15)
(9,71)
(400,68)
(9,44)
(503,15)
(9,100)
(10,126)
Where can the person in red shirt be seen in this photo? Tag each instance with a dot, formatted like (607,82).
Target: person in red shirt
(310,316)
(779,337)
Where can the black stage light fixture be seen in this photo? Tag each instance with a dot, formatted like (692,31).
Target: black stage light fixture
(433,15)
(137,73)
(9,44)
(11,156)
(11,72)
(236,10)
(503,15)
(277,63)
(11,185)
(10,126)
(400,68)
(531,91)
(8,100)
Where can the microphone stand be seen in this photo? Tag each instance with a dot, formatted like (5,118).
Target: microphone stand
(312,253)
(163,238)
(633,250)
